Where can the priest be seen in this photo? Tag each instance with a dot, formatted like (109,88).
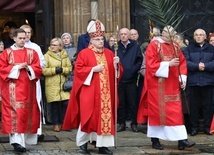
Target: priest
(160,103)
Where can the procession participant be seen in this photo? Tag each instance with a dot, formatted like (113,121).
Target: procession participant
(37,48)
(160,104)
(20,69)
(91,106)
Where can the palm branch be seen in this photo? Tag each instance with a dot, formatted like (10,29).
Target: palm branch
(163,12)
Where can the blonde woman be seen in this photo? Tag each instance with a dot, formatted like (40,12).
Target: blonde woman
(58,66)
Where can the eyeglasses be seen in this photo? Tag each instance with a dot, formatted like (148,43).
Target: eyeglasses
(111,40)
(98,39)
(54,45)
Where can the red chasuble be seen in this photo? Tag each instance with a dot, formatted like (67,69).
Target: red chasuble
(20,112)
(92,106)
(160,100)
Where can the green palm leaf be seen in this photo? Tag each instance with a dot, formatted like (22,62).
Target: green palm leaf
(163,12)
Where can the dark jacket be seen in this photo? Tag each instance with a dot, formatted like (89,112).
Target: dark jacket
(83,41)
(131,59)
(195,54)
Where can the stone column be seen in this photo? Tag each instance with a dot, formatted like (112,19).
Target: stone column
(94,9)
(113,13)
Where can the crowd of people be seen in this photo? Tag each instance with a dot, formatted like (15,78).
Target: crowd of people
(165,83)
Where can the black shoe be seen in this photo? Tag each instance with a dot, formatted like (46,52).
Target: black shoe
(18,148)
(184,143)
(194,132)
(134,128)
(207,132)
(41,138)
(156,145)
(104,150)
(84,148)
(121,127)
(93,143)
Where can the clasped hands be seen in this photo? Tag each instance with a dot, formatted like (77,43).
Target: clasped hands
(23,65)
(201,66)
(59,70)
(100,67)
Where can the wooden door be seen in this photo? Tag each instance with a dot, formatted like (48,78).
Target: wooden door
(44,23)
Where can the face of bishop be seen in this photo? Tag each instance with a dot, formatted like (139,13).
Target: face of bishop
(97,42)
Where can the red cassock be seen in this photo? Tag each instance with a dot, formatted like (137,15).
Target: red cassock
(92,106)
(20,112)
(160,100)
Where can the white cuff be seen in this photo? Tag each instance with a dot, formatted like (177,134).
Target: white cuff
(31,73)
(163,70)
(14,73)
(89,77)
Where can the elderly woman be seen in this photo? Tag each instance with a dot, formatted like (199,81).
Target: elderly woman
(68,45)
(58,66)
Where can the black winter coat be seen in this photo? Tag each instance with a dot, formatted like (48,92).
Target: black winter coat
(131,59)
(195,54)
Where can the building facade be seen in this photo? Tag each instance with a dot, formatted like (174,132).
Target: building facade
(50,18)
(53,17)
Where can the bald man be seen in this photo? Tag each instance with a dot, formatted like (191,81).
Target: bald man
(134,35)
(200,63)
(131,59)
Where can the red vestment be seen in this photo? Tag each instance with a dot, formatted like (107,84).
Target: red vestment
(20,112)
(92,106)
(160,100)
(212,126)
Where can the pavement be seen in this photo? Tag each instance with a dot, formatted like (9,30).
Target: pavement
(128,143)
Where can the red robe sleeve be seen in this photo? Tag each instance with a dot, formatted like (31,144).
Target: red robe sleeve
(85,62)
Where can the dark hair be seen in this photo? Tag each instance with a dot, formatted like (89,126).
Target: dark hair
(18,31)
